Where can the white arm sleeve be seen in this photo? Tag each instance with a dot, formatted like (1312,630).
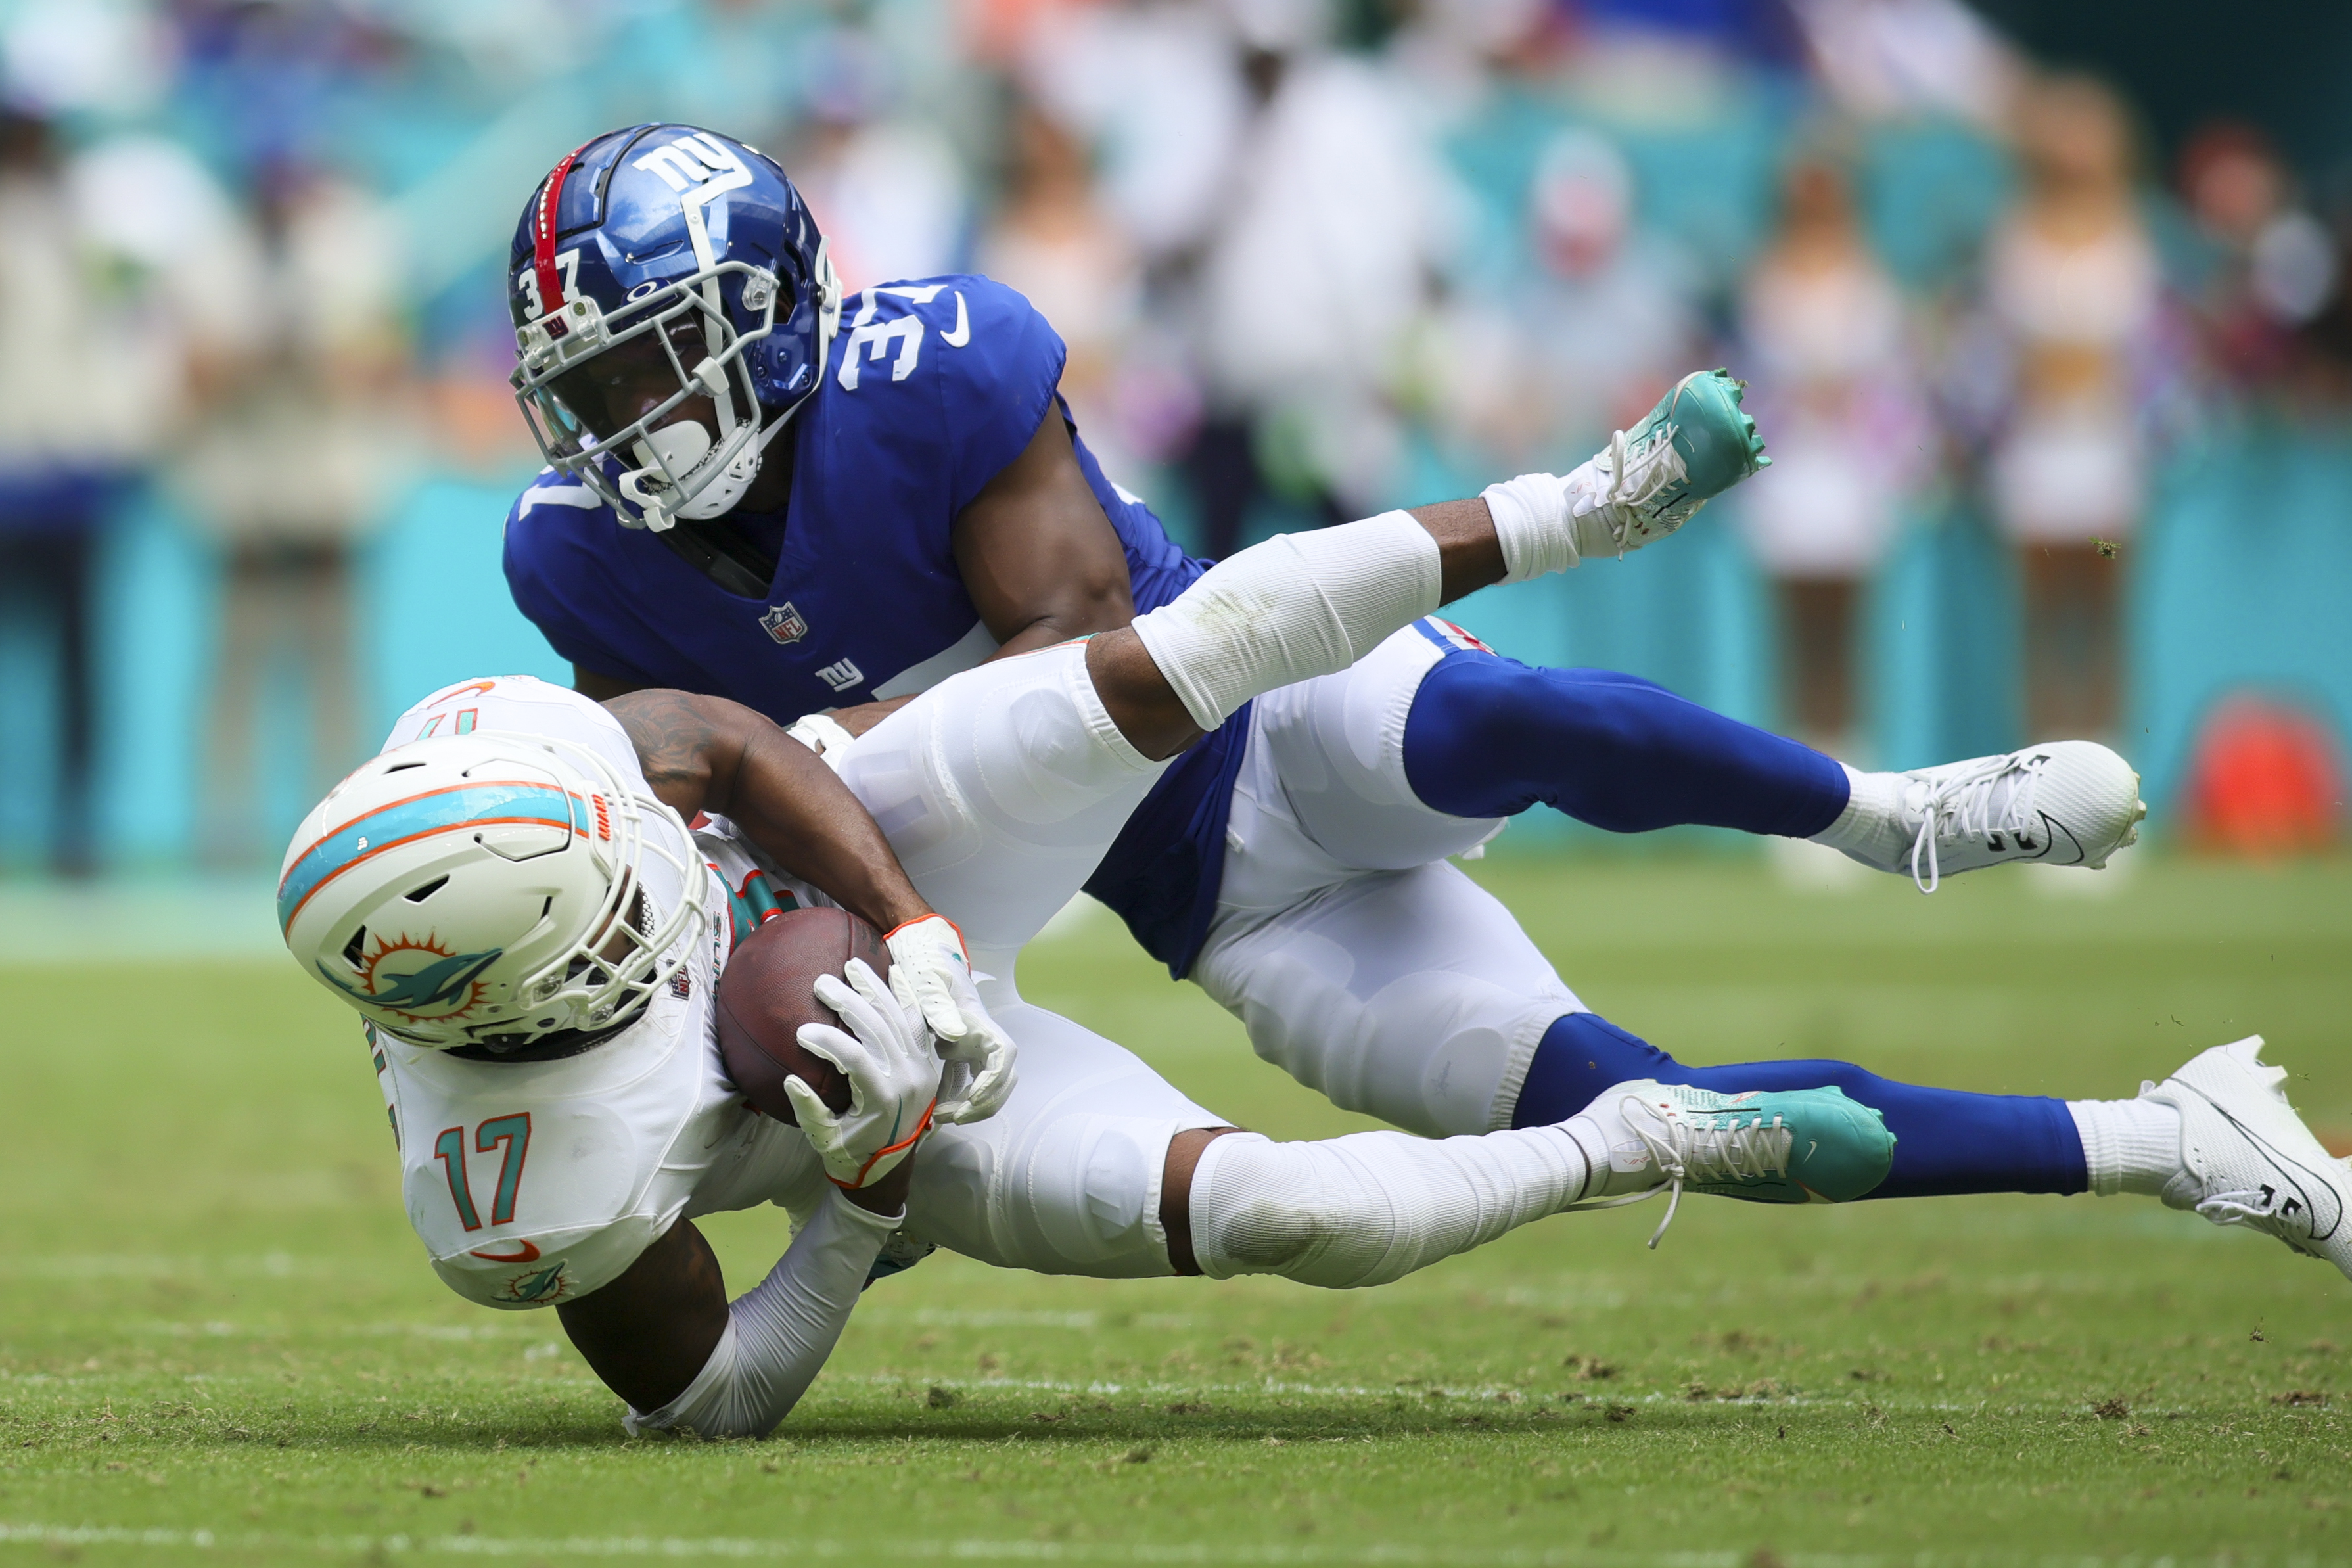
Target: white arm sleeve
(780,1332)
(1294,607)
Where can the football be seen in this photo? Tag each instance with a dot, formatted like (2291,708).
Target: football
(768,991)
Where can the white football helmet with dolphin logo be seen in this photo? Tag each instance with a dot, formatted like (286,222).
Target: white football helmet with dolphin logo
(489,889)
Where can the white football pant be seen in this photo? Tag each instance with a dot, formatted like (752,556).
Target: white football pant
(1363,965)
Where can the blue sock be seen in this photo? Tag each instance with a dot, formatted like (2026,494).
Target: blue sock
(1945,1141)
(1489,736)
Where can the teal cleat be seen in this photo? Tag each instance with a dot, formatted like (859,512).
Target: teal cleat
(1695,444)
(1792,1146)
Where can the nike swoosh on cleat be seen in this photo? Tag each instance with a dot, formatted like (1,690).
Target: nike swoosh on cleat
(2287,1165)
(2054,830)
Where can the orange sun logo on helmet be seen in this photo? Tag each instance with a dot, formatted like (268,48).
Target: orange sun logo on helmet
(420,979)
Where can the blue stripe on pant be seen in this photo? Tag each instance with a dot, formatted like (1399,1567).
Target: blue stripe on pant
(1946,1141)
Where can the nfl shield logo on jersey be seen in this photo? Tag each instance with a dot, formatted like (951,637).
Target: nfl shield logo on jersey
(783,623)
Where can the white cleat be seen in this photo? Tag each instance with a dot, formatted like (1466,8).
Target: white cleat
(2246,1158)
(2064,803)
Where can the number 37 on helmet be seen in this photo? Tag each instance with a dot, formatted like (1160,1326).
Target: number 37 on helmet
(673,305)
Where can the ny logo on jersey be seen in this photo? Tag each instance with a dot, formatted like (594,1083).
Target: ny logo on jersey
(841,676)
(783,623)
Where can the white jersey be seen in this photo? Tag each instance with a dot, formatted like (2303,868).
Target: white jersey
(535,1182)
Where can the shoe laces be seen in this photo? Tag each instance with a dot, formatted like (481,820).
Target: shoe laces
(1701,1146)
(1637,475)
(1970,804)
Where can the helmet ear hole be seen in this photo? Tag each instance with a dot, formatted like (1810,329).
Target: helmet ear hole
(355,950)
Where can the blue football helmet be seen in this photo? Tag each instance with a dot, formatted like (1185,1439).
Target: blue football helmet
(673,306)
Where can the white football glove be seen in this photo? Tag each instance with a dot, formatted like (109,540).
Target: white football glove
(929,969)
(893,1072)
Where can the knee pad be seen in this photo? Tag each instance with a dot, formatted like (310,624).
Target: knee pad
(1088,1188)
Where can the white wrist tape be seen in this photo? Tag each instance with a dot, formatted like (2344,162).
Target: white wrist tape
(823,734)
(1372,1207)
(1296,606)
(779,1333)
(1533,523)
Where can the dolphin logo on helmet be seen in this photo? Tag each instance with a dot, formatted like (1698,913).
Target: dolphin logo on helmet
(557,892)
(430,991)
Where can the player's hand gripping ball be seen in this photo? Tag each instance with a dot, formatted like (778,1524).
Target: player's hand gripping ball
(929,969)
(812,1035)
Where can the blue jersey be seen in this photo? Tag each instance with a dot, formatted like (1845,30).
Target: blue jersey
(930,391)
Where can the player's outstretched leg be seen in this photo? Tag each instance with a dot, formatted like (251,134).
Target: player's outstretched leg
(1489,737)
(2217,1136)
(1372,1207)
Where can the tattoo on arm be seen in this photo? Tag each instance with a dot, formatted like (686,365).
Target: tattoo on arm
(707,754)
(685,746)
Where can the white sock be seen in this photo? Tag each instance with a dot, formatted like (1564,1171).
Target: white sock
(1870,828)
(1619,1162)
(2128,1146)
(1546,523)
(1372,1207)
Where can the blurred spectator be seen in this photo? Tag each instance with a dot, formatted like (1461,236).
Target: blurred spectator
(1884,59)
(1540,363)
(79,404)
(2266,779)
(2278,265)
(1611,313)
(1454,53)
(1155,86)
(1053,241)
(1836,384)
(1321,269)
(303,432)
(886,190)
(2072,285)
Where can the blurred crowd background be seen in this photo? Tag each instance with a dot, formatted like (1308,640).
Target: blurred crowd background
(2044,311)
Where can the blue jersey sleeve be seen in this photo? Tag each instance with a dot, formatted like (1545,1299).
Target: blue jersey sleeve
(998,364)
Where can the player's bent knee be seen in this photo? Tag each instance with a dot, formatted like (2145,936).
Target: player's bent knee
(1093,1175)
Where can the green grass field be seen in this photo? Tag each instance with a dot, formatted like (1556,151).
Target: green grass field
(219,1342)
